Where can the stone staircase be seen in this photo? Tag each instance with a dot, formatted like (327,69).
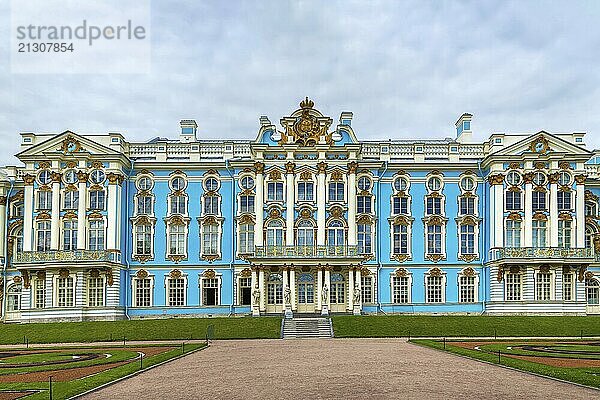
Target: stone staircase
(306,328)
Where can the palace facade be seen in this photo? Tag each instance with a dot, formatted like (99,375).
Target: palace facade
(305,217)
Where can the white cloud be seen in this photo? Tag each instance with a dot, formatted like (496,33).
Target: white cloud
(406,70)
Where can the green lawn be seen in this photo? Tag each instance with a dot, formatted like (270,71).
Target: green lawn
(149,329)
(584,376)
(63,390)
(468,325)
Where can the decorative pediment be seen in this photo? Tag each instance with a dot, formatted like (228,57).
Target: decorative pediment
(68,143)
(542,144)
(209,273)
(306,126)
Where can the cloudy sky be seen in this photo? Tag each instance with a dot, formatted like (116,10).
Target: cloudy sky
(406,70)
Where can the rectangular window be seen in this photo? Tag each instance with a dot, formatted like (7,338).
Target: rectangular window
(539,233)
(434,206)
(65,292)
(467,289)
(43,235)
(564,234)
(97,200)
(143,239)
(364,204)
(400,237)
(513,233)
(513,287)
(96,235)
(245,286)
(177,240)
(176,292)
(44,200)
(95,292)
(564,201)
(542,286)
(275,191)
(40,293)
(400,205)
(366,288)
(467,239)
(434,289)
(434,239)
(178,204)
(142,292)
(400,290)
(568,287)
(364,239)
(336,191)
(210,239)
(144,205)
(305,191)
(70,235)
(71,200)
(210,292)
(467,206)
(513,201)
(247,204)
(246,238)
(539,201)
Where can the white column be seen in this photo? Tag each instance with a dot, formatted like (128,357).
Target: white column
(3,232)
(261,287)
(289,201)
(498,193)
(293,287)
(111,232)
(55,214)
(350,288)
(319,287)
(327,281)
(322,166)
(352,203)
(254,284)
(259,204)
(528,220)
(28,200)
(580,210)
(81,210)
(553,215)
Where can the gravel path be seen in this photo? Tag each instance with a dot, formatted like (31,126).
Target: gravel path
(334,369)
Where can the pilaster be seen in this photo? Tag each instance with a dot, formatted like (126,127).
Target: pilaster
(580,211)
(55,215)
(260,193)
(28,202)
(289,201)
(352,166)
(81,210)
(321,199)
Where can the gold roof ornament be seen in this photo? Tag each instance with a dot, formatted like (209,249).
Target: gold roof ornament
(306,126)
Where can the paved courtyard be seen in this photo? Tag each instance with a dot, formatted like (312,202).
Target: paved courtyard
(333,369)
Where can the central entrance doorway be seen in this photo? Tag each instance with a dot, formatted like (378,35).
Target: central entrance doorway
(337,294)
(275,293)
(306,293)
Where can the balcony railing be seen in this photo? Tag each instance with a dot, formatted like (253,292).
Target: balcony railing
(307,251)
(30,257)
(540,252)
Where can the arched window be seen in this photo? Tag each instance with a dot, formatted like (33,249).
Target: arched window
(246,238)
(592,291)
(337,294)
(306,233)
(591,208)
(275,289)
(590,232)
(14,297)
(275,233)
(306,289)
(335,234)
(18,241)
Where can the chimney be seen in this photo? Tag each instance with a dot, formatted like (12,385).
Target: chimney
(346,118)
(464,134)
(188,130)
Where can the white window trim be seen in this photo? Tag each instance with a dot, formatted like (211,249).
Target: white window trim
(34,281)
(410,285)
(134,253)
(520,232)
(523,276)
(238,235)
(55,279)
(476,283)
(344,181)
(134,294)
(444,284)
(409,232)
(476,240)
(168,240)
(136,203)
(219,278)
(298,180)
(219,204)
(219,223)
(573,287)
(443,233)
(87,291)
(187,204)
(104,219)
(185,290)
(536,272)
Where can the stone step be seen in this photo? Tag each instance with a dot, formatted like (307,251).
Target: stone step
(299,328)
